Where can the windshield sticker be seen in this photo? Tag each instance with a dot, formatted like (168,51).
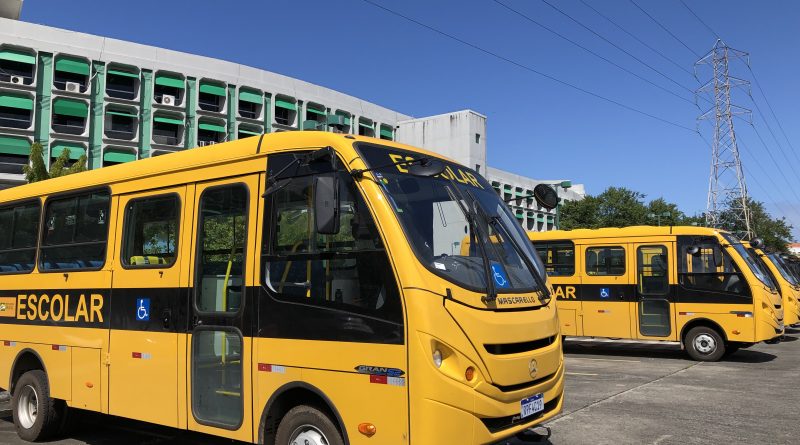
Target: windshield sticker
(451,172)
(439,266)
(500,277)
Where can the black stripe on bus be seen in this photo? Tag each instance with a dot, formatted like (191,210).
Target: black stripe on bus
(628,293)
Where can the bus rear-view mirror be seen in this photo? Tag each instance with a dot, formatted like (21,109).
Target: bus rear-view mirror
(326,204)
(545,196)
(426,167)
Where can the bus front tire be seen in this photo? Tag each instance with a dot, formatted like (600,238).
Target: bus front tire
(704,344)
(36,415)
(307,425)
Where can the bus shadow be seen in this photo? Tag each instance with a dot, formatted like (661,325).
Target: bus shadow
(658,352)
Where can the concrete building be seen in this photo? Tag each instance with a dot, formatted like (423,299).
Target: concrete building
(117,101)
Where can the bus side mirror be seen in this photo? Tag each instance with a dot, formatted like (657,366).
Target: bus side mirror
(717,255)
(326,204)
(545,196)
(693,250)
(757,243)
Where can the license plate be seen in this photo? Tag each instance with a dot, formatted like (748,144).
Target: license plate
(532,405)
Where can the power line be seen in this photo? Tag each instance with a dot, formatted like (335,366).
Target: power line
(552,31)
(772,111)
(700,20)
(527,68)
(616,46)
(636,38)
(664,28)
(780,170)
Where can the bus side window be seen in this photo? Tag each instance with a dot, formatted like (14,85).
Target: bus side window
(348,271)
(558,257)
(75,232)
(151,231)
(653,278)
(221,241)
(699,271)
(18,236)
(605,261)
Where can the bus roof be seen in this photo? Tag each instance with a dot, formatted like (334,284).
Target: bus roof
(225,152)
(622,232)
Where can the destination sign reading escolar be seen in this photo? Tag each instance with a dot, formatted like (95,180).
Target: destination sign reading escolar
(54,307)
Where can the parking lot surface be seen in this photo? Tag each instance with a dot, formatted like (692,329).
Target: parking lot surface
(617,393)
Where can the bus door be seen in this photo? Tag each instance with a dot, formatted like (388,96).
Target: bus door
(220,326)
(146,306)
(654,295)
(605,292)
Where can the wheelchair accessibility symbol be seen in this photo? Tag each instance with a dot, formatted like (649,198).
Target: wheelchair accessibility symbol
(499,275)
(143,309)
(605,292)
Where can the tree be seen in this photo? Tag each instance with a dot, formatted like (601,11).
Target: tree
(776,232)
(37,170)
(616,207)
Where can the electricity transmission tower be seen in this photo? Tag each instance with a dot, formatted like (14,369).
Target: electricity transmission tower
(726,185)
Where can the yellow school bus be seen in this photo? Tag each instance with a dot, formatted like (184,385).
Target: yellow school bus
(299,287)
(694,285)
(785,281)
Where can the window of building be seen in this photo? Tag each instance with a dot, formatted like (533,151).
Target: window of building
(366,127)
(16,110)
(118,155)
(18,238)
(246,131)
(222,238)
(285,110)
(387,132)
(339,122)
(316,117)
(17,65)
(211,96)
(168,129)
(477,138)
(14,154)
(122,82)
(704,265)
(168,88)
(75,232)
(558,257)
(70,116)
(121,123)
(75,150)
(211,132)
(251,103)
(605,261)
(71,74)
(341,282)
(151,232)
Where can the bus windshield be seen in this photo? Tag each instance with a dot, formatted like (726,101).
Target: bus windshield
(752,261)
(457,225)
(781,266)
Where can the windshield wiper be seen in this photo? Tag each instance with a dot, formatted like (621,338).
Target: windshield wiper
(472,216)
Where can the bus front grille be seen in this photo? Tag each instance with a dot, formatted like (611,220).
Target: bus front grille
(516,348)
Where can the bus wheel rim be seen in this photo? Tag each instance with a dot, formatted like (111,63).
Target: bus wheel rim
(308,435)
(27,406)
(705,344)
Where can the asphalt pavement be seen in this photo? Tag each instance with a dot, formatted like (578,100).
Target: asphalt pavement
(616,393)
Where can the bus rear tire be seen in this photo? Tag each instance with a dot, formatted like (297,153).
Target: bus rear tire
(305,424)
(704,344)
(36,415)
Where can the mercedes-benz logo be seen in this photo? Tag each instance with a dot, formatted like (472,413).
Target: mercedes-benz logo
(533,367)
(2,307)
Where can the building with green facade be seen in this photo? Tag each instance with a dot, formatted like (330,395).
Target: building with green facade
(116,101)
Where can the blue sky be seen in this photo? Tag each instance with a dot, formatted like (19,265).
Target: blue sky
(537,127)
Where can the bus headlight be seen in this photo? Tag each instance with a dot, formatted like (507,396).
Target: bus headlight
(437,358)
